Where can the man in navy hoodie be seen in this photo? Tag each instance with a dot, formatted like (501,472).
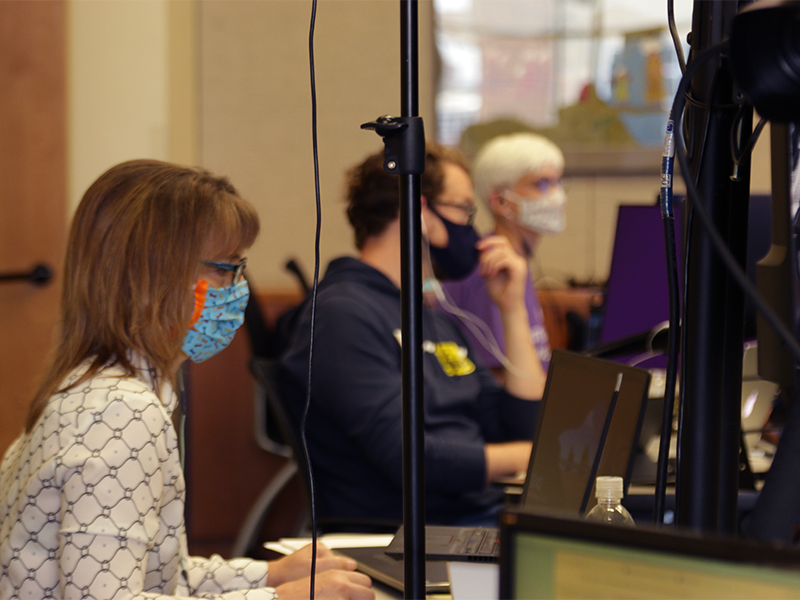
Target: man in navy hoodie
(475,430)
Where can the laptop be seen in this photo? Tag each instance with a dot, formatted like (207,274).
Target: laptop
(445,542)
(390,570)
(588,425)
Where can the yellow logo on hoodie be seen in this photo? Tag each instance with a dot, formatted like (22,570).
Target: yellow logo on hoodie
(453,358)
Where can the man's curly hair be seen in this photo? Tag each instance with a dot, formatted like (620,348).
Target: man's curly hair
(373,196)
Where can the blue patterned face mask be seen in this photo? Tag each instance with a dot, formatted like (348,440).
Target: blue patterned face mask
(218,313)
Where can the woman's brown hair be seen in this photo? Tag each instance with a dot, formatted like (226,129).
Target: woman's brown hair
(134,253)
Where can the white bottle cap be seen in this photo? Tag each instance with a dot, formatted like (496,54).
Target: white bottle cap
(609,487)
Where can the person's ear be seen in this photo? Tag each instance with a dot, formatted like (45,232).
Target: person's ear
(500,206)
(436,232)
(496,201)
(425,209)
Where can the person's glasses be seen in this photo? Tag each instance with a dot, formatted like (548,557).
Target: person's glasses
(237,269)
(468,208)
(545,184)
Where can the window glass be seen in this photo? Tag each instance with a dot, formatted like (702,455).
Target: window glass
(587,73)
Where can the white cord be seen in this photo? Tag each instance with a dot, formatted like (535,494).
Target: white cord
(482,332)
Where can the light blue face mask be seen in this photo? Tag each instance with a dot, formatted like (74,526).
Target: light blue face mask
(429,285)
(222,314)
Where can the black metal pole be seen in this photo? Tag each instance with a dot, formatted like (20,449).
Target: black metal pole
(713,319)
(731,441)
(777,511)
(411,297)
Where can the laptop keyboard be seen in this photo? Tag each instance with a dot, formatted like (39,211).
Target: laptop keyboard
(482,542)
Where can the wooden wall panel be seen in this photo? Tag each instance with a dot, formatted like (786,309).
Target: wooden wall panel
(32,194)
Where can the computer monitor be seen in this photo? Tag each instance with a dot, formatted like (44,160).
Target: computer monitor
(549,557)
(637,297)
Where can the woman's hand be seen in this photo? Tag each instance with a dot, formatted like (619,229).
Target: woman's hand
(298,565)
(506,276)
(504,271)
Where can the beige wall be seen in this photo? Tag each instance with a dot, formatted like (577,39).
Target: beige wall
(225,83)
(117,66)
(256,117)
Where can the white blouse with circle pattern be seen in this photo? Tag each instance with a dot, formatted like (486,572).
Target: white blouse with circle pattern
(92,503)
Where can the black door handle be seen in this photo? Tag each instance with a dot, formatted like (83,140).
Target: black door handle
(40,274)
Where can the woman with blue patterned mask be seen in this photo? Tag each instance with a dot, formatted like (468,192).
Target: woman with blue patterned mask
(220,297)
(92,493)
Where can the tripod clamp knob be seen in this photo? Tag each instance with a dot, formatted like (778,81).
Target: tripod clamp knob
(404,142)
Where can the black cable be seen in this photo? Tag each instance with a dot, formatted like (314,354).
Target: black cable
(712,88)
(673,345)
(676,349)
(673,31)
(687,251)
(736,137)
(716,239)
(668,217)
(689,226)
(738,154)
(314,288)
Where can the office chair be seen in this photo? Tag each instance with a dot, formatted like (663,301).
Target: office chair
(265,372)
(295,269)
(271,428)
(269,342)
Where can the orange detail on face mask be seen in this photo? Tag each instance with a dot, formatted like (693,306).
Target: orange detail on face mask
(199,300)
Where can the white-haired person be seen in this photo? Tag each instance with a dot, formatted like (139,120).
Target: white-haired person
(518,177)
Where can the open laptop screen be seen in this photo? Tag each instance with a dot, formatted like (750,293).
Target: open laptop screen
(578,395)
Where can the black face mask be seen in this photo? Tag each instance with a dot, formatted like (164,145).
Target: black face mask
(460,256)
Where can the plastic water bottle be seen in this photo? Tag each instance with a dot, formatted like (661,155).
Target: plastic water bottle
(609,509)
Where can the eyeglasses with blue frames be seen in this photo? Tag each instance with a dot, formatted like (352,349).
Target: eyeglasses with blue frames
(545,184)
(237,269)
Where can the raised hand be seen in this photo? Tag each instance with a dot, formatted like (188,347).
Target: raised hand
(504,271)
